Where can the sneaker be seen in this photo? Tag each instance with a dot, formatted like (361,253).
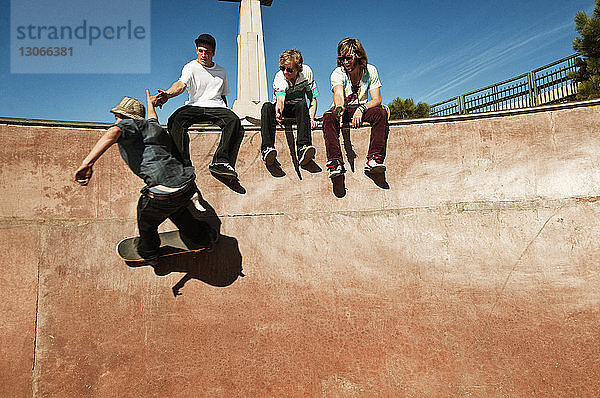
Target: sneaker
(306,154)
(374,165)
(335,168)
(222,169)
(268,155)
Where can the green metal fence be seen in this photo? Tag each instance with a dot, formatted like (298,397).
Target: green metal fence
(544,85)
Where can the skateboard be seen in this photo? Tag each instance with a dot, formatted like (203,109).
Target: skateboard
(253,120)
(171,244)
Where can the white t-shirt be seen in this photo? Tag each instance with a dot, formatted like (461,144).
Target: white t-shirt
(205,86)
(368,81)
(305,86)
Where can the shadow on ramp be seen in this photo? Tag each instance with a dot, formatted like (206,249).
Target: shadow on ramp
(289,136)
(275,169)
(348,148)
(231,183)
(219,268)
(312,167)
(378,179)
(339,186)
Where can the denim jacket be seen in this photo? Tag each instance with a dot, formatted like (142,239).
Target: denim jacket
(147,148)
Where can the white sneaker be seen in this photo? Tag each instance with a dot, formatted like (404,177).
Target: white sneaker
(374,165)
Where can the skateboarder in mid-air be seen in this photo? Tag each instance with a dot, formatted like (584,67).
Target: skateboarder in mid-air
(170,190)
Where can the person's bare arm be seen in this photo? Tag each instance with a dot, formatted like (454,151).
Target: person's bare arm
(338,101)
(375,98)
(151,111)
(279,105)
(84,173)
(312,111)
(163,96)
(375,101)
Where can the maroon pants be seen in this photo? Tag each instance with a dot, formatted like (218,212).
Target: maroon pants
(377,117)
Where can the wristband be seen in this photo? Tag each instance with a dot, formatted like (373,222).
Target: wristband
(362,108)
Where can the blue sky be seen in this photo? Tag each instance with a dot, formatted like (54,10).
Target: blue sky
(428,50)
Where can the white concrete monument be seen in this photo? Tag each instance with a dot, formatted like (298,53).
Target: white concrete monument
(252,73)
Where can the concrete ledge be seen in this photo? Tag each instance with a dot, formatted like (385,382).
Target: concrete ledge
(209,127)
(81,125)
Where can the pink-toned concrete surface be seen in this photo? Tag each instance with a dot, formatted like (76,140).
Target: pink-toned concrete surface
(473,272)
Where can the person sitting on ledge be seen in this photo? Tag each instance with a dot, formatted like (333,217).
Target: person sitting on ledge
(170,190)
(292,83)
(207,86)
(352,82)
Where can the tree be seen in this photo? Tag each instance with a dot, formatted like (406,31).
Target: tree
(406,109)
(588,45)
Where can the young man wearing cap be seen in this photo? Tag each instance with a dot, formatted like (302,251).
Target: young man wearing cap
(170,191)
(206,83)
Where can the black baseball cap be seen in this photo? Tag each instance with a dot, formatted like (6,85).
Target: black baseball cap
(205,38)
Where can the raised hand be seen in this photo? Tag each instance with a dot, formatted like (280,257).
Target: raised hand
(357,118)
(160,98)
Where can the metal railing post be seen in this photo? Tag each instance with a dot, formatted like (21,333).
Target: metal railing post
(533,89)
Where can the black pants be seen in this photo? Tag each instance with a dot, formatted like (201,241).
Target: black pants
(229,122)
(196,228)
(267,124)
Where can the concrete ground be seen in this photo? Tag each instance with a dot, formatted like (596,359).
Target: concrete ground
(472,269)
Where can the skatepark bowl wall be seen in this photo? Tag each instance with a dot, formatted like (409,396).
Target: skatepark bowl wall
(470,269)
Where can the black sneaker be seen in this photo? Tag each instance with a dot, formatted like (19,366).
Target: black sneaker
(268,155)
(335,168)
(306,154)
(222,169)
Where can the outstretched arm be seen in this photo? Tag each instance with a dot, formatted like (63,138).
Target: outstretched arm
(151,111)
(84,172)
(176,88)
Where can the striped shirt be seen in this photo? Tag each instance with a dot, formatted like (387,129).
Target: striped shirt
(305,86)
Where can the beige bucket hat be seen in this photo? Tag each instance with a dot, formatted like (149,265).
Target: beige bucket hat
(130,107)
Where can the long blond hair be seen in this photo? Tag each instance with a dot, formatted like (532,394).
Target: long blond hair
(350,45)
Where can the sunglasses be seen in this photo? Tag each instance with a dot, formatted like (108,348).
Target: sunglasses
(288,70)
(346,58)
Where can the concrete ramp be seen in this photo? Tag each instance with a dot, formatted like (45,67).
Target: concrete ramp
(472,269)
